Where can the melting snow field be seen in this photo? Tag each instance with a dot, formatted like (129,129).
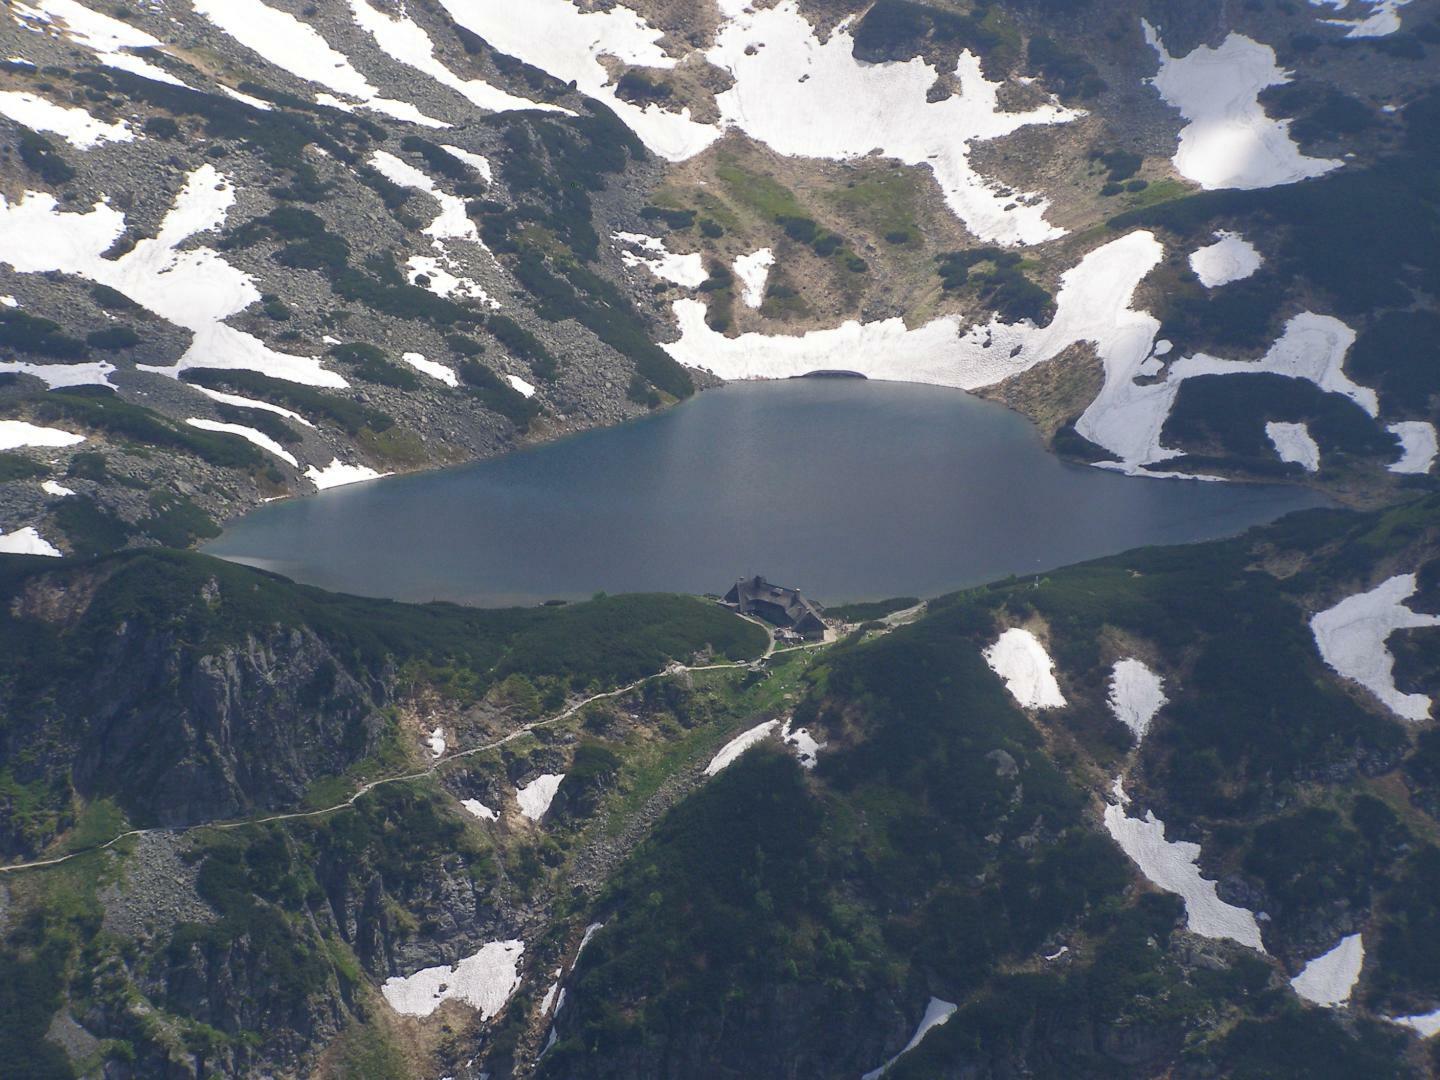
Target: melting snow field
(650,252)
(936,1013)
(17,433)
(338,474)
(1426,1025)
(452,223)
(195,288)
(1229,141)
(807,750)
(753,270)
(406,42)
(479,809)
(250,403)
(1093,305)
(76,126)
(1351,637)
(432,368)
(732,750)
(535,797)
(1383,16)
(1230,258)
(1019,658)
(483,981)
(1171,865)
(90,373)
(1329,979)
(1293,442)
(295,46)
(249,434)
(1136,695)
(111,39)
(802,96)
(557,37)
(1417,444)
(786,83)
(27,541)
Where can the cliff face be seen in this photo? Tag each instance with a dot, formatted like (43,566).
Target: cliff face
(182,737)
(177,729)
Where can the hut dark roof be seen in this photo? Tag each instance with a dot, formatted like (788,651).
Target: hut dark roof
(777,604)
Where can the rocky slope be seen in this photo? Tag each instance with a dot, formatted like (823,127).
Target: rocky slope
(1168,814)
(255,248)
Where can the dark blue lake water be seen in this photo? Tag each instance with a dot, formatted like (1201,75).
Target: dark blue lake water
(850,490)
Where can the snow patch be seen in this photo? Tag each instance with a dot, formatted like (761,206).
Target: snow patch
(807,750)
(732,750)
(1229,142)
(479,162)
(435,741)
(27,541)
(1351,638)
(1417,444)
(753,270)
(295,46)
(1171,866)
(590,932)
(479,809)
(249,434)
(937,1012)
(337,474)
(484,981)
(1329,979)
(1018,657)
(651,253)
(50,487)
(1136,695)
(520,386)
(1293,442)
(535,797)
(76,126)
(17,433)
(430,367)
(1230,258)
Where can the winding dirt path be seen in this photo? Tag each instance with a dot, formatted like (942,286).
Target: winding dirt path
(365,789)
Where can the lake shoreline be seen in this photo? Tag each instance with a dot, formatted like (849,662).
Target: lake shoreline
(694,497)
